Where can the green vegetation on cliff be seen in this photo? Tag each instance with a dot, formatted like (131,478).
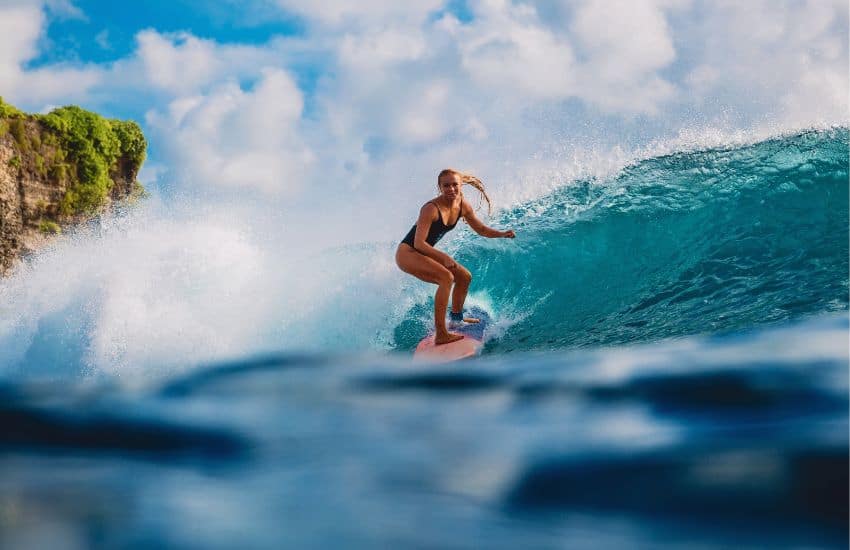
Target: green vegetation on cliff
(9,111)
(87,149)
(49,228)
(94,146)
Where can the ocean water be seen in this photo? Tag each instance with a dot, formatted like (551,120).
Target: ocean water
(668,367)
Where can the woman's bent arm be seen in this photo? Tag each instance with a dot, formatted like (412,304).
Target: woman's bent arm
(479,227)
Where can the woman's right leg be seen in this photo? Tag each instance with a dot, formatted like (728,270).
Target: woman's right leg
(426,269)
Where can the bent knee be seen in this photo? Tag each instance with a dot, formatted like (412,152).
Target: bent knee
(462,275)
(445,278)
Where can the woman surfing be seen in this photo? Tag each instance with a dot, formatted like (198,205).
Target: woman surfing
(417,256)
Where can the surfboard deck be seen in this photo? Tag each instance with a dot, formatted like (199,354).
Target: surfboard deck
(468,346)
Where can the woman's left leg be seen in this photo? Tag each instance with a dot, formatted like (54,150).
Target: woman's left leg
(462,279)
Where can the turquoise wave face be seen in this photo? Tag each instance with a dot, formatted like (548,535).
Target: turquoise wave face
(687,243)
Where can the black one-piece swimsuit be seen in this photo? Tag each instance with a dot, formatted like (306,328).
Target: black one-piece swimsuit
(435,233)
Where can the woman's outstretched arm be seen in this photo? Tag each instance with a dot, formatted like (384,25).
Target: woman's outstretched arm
(479,227)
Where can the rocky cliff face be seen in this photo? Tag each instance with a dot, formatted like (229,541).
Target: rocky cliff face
(58,170)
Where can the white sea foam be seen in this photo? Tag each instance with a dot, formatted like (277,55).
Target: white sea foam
(162,289)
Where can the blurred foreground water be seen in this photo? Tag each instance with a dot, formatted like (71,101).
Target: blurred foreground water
(738,439)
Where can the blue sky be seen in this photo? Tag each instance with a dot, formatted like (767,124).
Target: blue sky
(265,97)
(105,31)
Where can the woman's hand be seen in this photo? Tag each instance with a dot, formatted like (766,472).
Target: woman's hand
(509,234)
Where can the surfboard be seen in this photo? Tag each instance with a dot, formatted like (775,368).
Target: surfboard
(468,346)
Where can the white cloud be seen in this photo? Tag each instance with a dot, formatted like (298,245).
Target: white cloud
(400,86)
(378,49)
(62,85)
(102,39)
(21,26)
(702,79)
(422,122)
(62,8)
(337,12)
(238,139)
(507,46)
(626,38)
(608,54)
(787,62)
(181,63)
(404,92)
(625,44)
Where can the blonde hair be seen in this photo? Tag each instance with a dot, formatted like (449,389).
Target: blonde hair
(467,179)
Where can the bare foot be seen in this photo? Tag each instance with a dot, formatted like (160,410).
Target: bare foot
(447,339)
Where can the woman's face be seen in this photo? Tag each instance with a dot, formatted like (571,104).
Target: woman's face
(450,186)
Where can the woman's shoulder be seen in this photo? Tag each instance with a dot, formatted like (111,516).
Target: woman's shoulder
(465,207)
(429,207)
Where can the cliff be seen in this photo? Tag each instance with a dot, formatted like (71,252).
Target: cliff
(61,169)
